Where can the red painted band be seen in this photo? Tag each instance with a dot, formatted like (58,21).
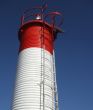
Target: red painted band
(31,35)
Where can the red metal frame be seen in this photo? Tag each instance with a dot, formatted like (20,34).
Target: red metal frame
(29,13)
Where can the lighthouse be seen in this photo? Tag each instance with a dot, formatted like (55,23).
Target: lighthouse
(35,85)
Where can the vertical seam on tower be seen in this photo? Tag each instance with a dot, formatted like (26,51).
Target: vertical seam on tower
(55,84)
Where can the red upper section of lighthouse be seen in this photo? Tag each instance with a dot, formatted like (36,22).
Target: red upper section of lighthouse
(38,33)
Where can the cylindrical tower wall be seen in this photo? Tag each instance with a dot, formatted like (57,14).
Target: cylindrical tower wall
(28,95)
(34,87)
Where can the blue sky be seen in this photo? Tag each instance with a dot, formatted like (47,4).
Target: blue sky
(74,51)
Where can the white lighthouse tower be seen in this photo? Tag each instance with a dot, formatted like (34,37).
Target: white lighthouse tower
(35,86)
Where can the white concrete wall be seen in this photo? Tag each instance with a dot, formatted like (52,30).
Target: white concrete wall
(28,80)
